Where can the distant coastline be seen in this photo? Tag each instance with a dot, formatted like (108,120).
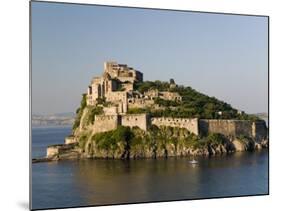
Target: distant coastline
(263,115)
(59,119)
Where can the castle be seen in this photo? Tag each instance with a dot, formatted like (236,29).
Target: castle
(116,88)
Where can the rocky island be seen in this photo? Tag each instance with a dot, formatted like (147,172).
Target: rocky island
(123,117)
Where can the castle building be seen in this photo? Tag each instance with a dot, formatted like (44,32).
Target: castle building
(114,84)
(115,91)
(165,95)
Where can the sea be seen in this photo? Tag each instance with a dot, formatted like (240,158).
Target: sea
(102,182)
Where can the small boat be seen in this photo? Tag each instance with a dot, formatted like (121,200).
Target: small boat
(193,161)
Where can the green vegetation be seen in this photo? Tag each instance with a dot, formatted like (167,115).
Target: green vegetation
(216,138)
(197,143)
(101,100)
(166,103)
(250,117)
(137,110)
(194,104)
(250,143)
(193,141)
(243,137)
(79,112)
(93,110)
(83,139)
(146,85)
(120,88)
(113,140)
(140,141)
(156,138)
(83,103)
(134,140)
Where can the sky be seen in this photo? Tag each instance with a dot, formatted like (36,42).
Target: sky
(225,56)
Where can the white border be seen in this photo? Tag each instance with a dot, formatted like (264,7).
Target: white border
(14,87)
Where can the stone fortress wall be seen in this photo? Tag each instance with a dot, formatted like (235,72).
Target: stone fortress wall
(230,128)
(105,123)
(260,130)
(132,120)
(217,126)
(191,124)
(233,128)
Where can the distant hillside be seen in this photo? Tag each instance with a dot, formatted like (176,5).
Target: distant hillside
(53,119)
(263,115)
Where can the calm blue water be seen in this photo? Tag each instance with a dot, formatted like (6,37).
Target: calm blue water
(97,182)
(45,136)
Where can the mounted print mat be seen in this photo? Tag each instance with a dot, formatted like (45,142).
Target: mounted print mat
(135,105)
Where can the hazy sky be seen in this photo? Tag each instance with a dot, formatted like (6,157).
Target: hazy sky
(220,55)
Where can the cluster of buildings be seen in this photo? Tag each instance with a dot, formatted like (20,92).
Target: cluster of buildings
(116,87)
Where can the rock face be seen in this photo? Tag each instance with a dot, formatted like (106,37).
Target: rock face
(63,152)
(154,149)
(70,140)
(258,146)
(264,143)
(239,145)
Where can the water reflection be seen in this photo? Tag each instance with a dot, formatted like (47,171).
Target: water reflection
(115,181)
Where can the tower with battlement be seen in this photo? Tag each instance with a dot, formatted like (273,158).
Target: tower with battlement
(116,82)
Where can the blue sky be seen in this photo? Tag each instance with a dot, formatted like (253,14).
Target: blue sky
(220,55)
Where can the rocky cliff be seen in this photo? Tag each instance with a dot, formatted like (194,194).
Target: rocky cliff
(157,141)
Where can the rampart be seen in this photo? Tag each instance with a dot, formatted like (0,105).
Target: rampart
(234,128)
(131,120)
(260,130)
(191,124)
(105,123)
(229,128)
